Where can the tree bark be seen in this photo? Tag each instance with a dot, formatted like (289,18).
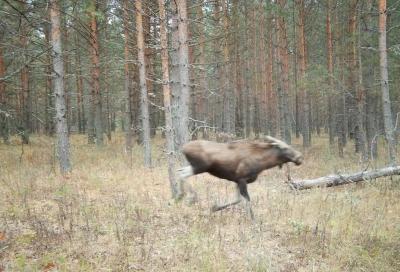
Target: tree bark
(106,74)
(331,112)
(229,110)
(95,74)
(356,90)
(335,180)
(284,63)
(79,82)
(127,87)
(183,52)
(387,112)
(169,132)
(174,73)
(3,106)
(303,68)
(202,111)
(271,94)
(48,101)
(58,66)
(26,99)
(144,106)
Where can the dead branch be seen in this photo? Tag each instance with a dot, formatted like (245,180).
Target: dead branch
(340,179)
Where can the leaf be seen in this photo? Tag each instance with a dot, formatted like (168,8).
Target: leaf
(2,237)
(49,266)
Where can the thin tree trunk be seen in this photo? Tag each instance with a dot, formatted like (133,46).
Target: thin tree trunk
(295,78)
(331,112)
(79,87)
(169,132)
(356,90)
(106,74)
(67,92)
(341,117)
(48,101)
(227,92)
(95,74)
(284,62)
(303,68)
(58,66)
(183,53)
(202,103)
(271,97)
(174,74)
(26,104)
(148,54)
(3,105)
(127,87)
(144,106)
(387,112)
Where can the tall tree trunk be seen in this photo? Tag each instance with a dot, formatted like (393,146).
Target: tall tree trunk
(58,66)
(387,112)
(357,101)
(95,74)
(26,98)
(295,78)
(148,54)
(271,97)
(3,106)
(169,132)
(331,112)
(127,87)
(106,73)
(229,110)
(67,91)
(144,106)
(341,116)
(284,63)
(48,101)
(174,73)
(79,87)
(203,102)
(183,52)
(303,67)
(237,69)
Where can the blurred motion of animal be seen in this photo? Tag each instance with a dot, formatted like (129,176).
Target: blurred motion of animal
(239,161)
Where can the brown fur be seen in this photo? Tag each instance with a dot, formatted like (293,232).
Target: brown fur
(238,161)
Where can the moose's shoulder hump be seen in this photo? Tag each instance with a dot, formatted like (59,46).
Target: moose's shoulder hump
(276,142)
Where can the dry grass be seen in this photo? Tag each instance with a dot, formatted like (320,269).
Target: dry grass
(109,216)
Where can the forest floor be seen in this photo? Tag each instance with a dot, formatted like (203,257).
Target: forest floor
(112,214)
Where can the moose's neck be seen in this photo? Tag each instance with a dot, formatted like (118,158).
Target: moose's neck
(271,159)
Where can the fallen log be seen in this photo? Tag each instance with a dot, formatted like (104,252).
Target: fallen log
(339,179)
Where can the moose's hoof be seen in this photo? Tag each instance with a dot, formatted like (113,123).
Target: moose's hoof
(180,196)
(215,208)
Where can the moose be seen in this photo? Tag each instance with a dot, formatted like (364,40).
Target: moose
(239,161)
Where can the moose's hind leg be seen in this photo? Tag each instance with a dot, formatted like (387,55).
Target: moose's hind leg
(183,174)
(216,207)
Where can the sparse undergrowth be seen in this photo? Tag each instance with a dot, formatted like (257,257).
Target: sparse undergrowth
(111,214)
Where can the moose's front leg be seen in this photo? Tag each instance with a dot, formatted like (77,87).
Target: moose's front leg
(245,195)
